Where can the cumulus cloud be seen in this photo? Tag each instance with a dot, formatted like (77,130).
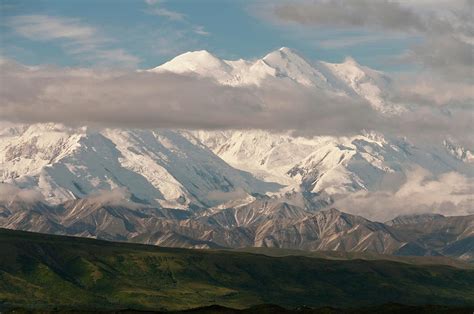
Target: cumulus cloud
(447,194)
(167,100)
(11,193)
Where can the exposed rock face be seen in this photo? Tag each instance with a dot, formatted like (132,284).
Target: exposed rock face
(265,222)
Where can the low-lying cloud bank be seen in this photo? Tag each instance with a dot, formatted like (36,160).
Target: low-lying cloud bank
(119,196)
(11,193)
(450,194)
(107,98)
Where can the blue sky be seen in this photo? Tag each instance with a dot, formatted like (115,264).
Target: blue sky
(145,34)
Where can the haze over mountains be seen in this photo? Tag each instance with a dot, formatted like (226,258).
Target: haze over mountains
(238,188)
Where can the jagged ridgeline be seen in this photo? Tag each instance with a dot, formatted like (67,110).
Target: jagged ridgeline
(265,222)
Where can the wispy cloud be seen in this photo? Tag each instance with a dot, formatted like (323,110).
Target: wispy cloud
(200,31)
(75,37)
(172,15)
(43,27)
(156,7)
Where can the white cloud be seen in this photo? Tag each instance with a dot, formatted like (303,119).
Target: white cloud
(448,194)
(156,7)
(200,31)
(43,27)
(172,15)
(10,193)
(75,38)
(118,197)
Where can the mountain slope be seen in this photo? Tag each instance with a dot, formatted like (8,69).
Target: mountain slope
(156,167)
(264,222)
(436,234)
(45,272)
(332,165)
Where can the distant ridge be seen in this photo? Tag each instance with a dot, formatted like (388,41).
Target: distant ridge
(265,222)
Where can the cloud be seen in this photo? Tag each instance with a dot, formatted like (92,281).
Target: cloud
(448,194)
(200,31)
(428,90)
(10,193)
(447,29)
(117,196)
(350,41)
(221,196)
(385,14)
(172,15)
(42,27)
(167,100)
(156,7)
(76,38)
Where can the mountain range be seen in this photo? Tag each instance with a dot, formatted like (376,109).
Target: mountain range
(233,188)
(265,222)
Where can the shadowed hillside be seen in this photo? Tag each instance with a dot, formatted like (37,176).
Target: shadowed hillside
(44,272)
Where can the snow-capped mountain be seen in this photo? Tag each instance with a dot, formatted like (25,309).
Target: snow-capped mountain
(156,167)
(347,78)
(219,169)
(319,164)
(327,164)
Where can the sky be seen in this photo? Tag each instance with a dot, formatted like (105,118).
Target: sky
(144,34)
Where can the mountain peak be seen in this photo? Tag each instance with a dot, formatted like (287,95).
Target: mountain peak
(351,61)
(198,53)
(198,56)
(288,63)
(414,219)
(283,53)
(286,50)
(199,61)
